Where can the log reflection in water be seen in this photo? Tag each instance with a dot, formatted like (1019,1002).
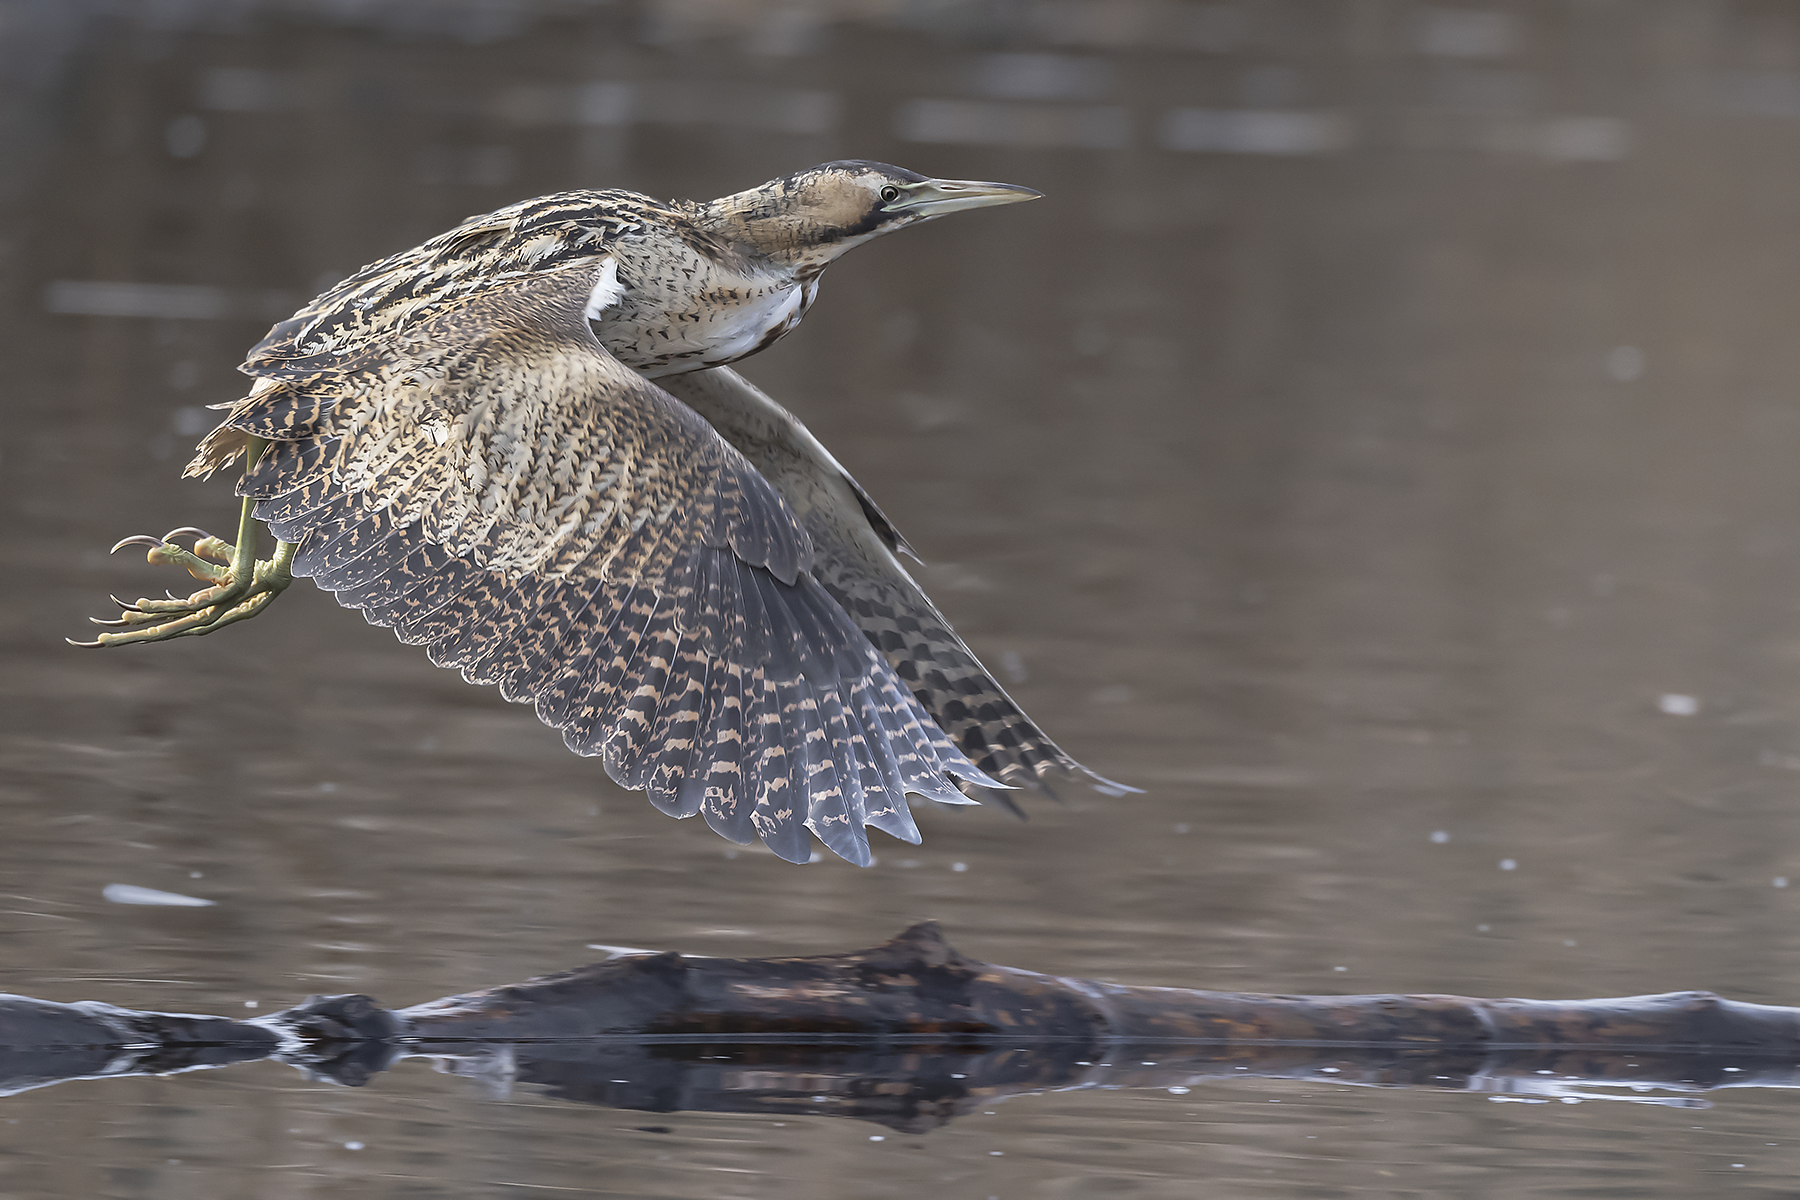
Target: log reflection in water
(911,1034)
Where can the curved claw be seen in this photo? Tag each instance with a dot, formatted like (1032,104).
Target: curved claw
(240,585)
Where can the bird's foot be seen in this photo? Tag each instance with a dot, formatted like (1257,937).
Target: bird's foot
(239,585)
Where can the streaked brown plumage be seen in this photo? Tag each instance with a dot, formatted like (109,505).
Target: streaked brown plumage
(466,443)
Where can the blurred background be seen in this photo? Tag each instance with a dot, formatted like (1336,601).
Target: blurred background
(1378,446)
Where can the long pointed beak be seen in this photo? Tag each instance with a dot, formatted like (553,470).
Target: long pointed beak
(935,197)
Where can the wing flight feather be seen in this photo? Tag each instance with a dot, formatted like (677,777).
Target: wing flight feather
(856,561)
(490,483)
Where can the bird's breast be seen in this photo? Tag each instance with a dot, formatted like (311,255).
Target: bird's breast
(665,323)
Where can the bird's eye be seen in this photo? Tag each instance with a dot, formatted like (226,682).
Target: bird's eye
(889,194)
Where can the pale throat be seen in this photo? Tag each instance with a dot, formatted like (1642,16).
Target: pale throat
(757,321)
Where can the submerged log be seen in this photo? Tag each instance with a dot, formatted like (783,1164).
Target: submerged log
(42,1042)
(917,985)
(911,1033)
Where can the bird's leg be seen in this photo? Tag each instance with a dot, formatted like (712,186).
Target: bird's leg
(239,584)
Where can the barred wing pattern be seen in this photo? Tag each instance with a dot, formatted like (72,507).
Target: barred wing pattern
(491,484)
(856,559)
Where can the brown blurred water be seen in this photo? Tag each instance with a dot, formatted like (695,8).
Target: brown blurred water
(1378,446)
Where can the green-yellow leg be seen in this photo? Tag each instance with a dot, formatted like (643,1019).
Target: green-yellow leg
(240,585)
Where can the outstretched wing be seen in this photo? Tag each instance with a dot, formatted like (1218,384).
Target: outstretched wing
(491,484)
(855,558)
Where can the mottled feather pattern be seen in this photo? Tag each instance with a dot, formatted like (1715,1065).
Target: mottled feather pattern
(670,749)
(498,613)
(289,471)
(964,701)
(532,661)
(567,677)
(715,782)
(497,648)
(436,589)
(400,577)
(648,622)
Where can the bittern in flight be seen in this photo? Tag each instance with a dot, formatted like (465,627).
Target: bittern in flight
(520,446)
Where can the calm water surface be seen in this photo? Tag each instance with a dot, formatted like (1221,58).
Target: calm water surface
(1379,447)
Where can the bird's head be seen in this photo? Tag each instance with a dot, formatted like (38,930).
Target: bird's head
(812,216)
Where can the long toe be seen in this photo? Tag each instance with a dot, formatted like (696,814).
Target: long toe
(217,549)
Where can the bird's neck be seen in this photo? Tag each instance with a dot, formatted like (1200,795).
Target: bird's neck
(769,226)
